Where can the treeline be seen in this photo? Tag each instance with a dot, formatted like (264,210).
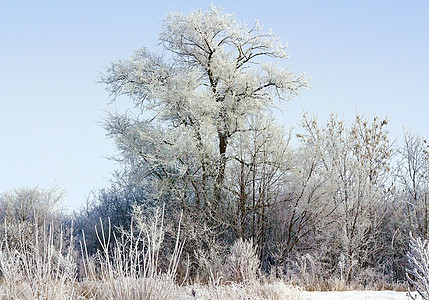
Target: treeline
(335,209)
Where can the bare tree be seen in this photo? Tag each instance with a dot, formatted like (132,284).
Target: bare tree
(413,179)
(305,212)
(260,163)
(358,161)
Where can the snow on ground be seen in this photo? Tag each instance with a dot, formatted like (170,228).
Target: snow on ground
(355,295)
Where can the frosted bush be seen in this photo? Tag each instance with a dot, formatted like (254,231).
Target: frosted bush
(418,269)
(42,269)
(243,263)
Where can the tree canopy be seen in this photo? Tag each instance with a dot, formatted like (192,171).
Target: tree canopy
(214,75)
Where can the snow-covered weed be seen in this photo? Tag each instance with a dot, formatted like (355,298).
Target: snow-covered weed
(128,267)
(243,263)
(42,269)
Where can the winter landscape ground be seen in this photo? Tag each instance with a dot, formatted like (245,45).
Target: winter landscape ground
(355,295)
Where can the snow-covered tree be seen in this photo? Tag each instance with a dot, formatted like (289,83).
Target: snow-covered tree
(305,210)
(413,179)
(358,161)
(193,102)
(260,163)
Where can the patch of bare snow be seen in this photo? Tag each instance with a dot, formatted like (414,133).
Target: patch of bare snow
(355,295)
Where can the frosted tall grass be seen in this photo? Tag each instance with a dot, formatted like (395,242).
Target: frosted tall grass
(128,265)
(44,268)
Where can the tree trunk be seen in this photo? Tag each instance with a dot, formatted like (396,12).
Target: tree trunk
(223,144)
(242,203)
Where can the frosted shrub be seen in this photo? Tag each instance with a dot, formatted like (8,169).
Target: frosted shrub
(418,269)
(210,265)
(243,263)
(24,211)
(307,272)
(42,269)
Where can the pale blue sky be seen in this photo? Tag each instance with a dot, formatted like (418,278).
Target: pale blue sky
(366,56)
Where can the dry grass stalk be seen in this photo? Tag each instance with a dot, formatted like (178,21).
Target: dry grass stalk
(42,269)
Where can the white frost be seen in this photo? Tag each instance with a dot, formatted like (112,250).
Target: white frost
(355,295)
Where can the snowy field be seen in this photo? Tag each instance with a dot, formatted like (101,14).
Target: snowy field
(355,295)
